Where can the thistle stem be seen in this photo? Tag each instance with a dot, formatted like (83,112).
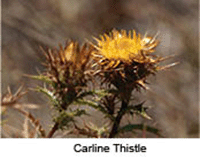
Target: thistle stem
(116,124)
(53,130)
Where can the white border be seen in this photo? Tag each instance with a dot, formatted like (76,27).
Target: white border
(64,148)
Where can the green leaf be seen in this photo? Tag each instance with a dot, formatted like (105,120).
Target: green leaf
(131,127)
(100,93)
(94,105)
(138,109)
(65,117)
(41,78)
(78,112)
(145,115)
(49,94)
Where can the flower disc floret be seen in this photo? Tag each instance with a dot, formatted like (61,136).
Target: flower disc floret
(126,47)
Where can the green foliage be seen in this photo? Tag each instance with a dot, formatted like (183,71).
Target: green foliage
(138,109)
(142,127)
(99,94)
(41,77)
(50,95)
(94,105)
(65,118)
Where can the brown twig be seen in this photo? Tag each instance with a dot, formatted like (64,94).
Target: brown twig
(34,121)
(9,99)
(53,130)
(12,100)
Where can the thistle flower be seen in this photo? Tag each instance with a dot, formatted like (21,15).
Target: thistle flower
(69,62)
(126,47)
(68,71)
(126,59)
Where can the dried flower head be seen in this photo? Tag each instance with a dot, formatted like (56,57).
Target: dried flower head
(68,70)
(126,59)
(69,62)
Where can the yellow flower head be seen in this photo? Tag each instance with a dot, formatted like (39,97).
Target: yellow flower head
(125,58)
(126,47)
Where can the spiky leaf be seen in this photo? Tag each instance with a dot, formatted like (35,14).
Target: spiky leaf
(131,127)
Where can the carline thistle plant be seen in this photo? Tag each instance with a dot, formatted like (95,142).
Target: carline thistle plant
(67,75)
(126,60)
(123,61)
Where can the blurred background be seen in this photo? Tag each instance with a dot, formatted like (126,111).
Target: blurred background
(173,95)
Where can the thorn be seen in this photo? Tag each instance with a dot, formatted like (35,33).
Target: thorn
(155,36)
(141,83)
(9,90)
(165,58)
(168,66)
